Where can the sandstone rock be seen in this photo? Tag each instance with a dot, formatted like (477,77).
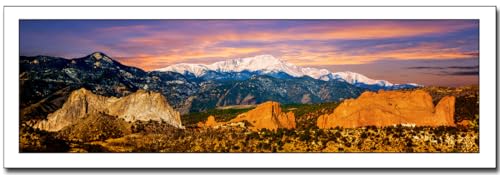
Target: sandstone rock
(267,115)
(209,123)
(140,105)
(388,108)
(465,123)
(445,110)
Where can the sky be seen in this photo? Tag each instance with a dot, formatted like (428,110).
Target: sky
(427,52)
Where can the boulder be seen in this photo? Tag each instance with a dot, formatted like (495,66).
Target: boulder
(209,123)
(465,123)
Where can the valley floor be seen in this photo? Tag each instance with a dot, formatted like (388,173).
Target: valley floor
(370,139)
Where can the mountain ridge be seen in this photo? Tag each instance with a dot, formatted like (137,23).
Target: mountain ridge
(268,64)
(42,76)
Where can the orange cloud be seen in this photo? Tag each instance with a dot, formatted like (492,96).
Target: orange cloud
(151,62)
(170,47)
(382,30)
(302,56)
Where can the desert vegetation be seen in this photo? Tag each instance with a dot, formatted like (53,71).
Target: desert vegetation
(369,139)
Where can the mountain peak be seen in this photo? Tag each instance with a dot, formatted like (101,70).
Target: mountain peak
(97,56)
(265,63)
(81,91)
(268,64)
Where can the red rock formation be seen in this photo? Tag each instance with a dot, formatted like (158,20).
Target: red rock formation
(465,123)
(445,110)
(388,108)
(267,115)
(209,123)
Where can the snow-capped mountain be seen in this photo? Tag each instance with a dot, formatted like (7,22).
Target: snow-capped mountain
(198,88)
(268,64)
(262,63)
(354,78)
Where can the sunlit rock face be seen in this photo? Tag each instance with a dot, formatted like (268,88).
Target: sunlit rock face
(138,106)
(267,115)
(209,123)
(389,108)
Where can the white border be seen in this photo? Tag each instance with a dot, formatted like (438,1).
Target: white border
(484,159)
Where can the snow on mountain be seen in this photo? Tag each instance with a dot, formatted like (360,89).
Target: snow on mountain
(316,73)
(183,68)
(353,78)
(264,63)
(270,64)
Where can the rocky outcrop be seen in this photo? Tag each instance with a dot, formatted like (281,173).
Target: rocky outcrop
(141,105)
(445,110)
(41,76)
(210,123)
(96,127)
(101,75)
(465,123)
(388,108)
(267,115)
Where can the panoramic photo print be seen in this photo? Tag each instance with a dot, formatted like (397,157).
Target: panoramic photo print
(249,86)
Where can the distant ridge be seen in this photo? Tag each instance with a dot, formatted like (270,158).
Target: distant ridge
(275,80)
(268,64)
